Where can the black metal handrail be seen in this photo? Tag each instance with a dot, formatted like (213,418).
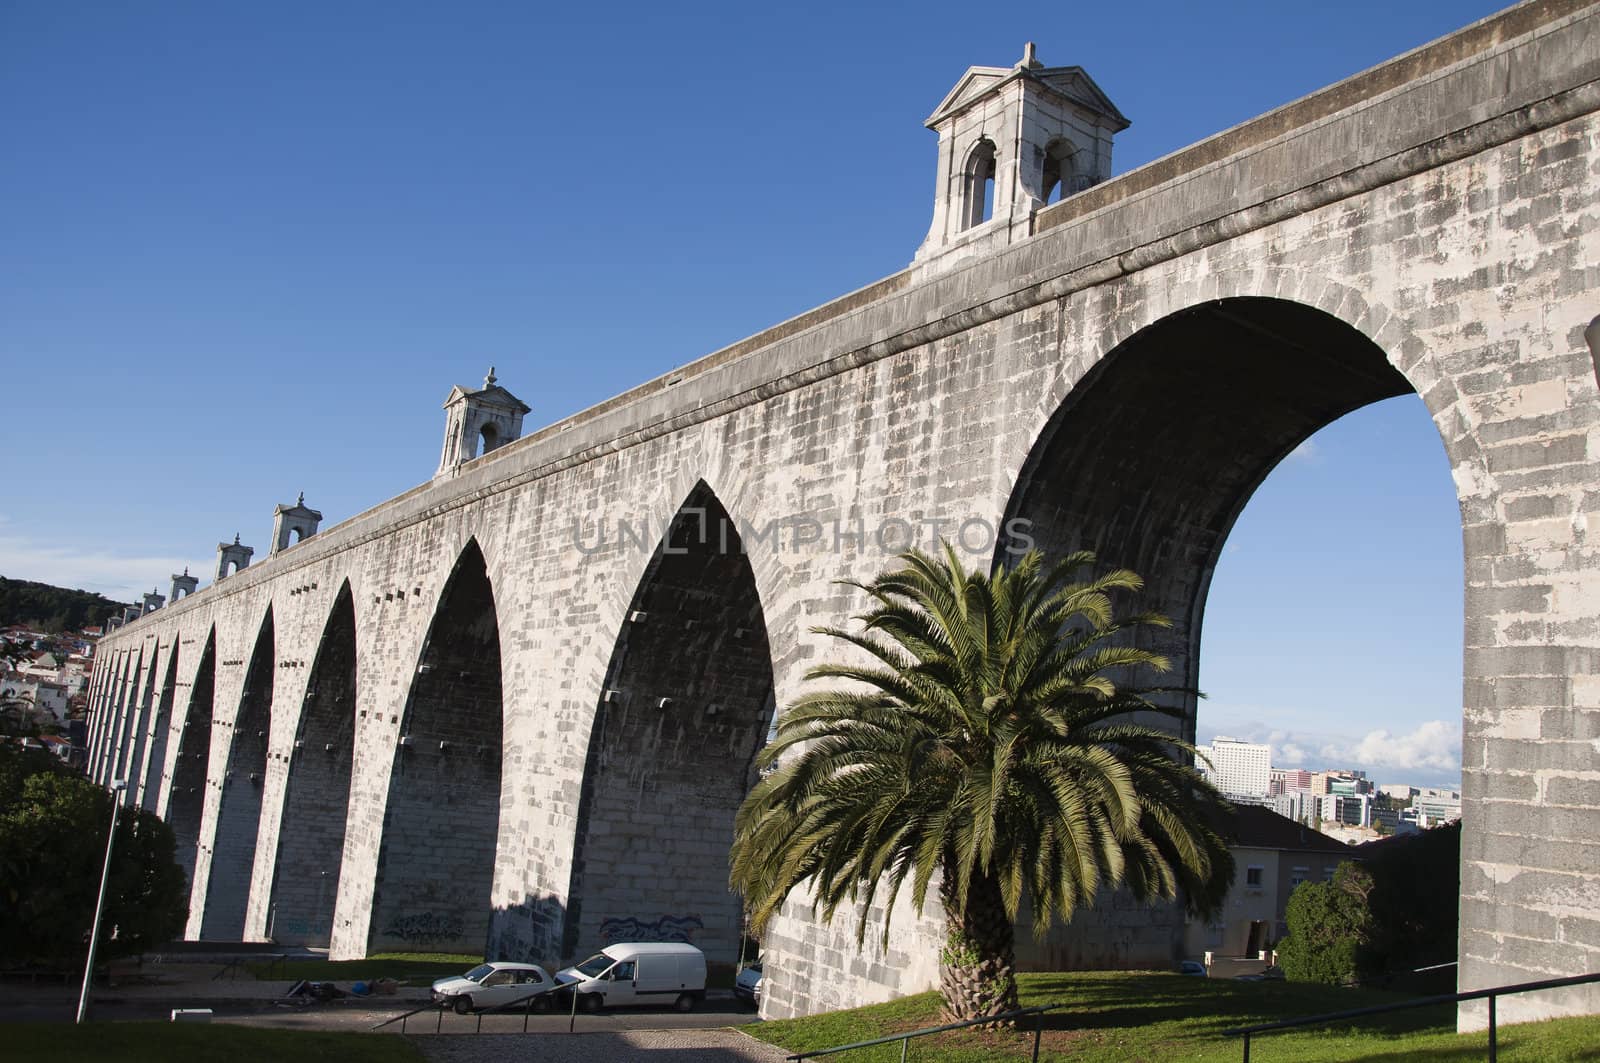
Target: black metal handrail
(1421,1002)
(905,1038)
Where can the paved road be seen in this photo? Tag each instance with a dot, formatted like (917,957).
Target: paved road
(264,1004)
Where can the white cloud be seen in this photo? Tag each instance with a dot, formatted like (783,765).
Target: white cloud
(1433,746)
(120,578)
(1428,755)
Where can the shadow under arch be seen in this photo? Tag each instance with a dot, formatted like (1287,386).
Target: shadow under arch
(1150,460)
(160,731)
(316,803)
(186,800)
(139,724)
(127,711)
(442,816)
(239,812)
(686,703)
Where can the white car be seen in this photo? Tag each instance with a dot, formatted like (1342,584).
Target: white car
(490,984)
(747,986)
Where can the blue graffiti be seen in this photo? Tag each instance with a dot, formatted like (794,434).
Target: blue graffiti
(667,928)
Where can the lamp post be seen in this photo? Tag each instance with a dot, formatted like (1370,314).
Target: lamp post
(117,786)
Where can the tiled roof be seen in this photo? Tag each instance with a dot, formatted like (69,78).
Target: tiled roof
(1262,828)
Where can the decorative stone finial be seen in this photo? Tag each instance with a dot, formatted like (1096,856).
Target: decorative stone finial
(488,381)
(185,570)
(301,500)
(1029,59)
(235,538)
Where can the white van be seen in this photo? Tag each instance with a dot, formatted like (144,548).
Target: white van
(639,973)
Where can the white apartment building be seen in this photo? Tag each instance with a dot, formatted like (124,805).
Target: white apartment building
(1237,767)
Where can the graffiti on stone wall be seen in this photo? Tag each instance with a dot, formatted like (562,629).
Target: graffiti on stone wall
(425,928)
(667,928)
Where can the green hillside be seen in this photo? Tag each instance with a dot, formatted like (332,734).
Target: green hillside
(52,609)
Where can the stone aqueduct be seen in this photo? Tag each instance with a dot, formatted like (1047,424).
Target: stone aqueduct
(518,704)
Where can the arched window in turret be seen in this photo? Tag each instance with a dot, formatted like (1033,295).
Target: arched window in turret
(978,192)
(1061,174)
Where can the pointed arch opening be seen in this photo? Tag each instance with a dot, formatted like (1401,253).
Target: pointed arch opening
(139,727)
(316,803)
(442,817)
(239,813)
(186,801)
(1149,462)
(127,709)
(160,731)
(686,704)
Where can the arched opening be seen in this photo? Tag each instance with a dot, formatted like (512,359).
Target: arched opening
(187,799)
(233,852)
(978,185)
(1060,172)
(140,728)
(687,702)
(160,730)
(111,718)
(489,435)
(442,816)
(295,535)
(305,877)
(1150,461)
(127,710)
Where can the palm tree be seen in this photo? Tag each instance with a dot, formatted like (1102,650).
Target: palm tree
(988,743)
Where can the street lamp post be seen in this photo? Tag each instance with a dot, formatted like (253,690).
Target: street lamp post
(117,786)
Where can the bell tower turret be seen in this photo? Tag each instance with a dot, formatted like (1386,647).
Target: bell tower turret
(1012,141)
(478,421)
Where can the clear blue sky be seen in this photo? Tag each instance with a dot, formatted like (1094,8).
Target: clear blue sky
(248,248)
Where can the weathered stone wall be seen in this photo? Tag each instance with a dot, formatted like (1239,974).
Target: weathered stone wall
(1434,231)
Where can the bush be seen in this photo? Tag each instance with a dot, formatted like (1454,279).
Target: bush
(1330,929)
(53,825)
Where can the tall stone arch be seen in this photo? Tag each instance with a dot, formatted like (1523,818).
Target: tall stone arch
(311,837)
(152,774)
(441,820)
(186,797)
(686,704)
(242,784)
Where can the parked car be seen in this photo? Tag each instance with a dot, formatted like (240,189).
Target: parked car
(1192,967)
(661,972)
(490,984)
(747,986)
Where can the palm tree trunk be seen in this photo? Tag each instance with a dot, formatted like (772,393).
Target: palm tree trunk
(977,970)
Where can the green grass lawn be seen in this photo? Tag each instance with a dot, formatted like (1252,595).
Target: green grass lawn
(1134,1017)
(416,968)
(165,1042)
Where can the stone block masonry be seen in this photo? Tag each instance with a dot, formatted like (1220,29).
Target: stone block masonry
(1119,372)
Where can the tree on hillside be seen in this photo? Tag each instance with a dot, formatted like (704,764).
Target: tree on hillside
(53,825)
(47,608)
(1330,929)
(988,746)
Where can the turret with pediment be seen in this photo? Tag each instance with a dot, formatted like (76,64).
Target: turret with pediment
(478,421)
(1012,141)
(293,524)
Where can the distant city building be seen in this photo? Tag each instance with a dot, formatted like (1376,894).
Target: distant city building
(1288,780)
(1237,768)
(1435,806)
